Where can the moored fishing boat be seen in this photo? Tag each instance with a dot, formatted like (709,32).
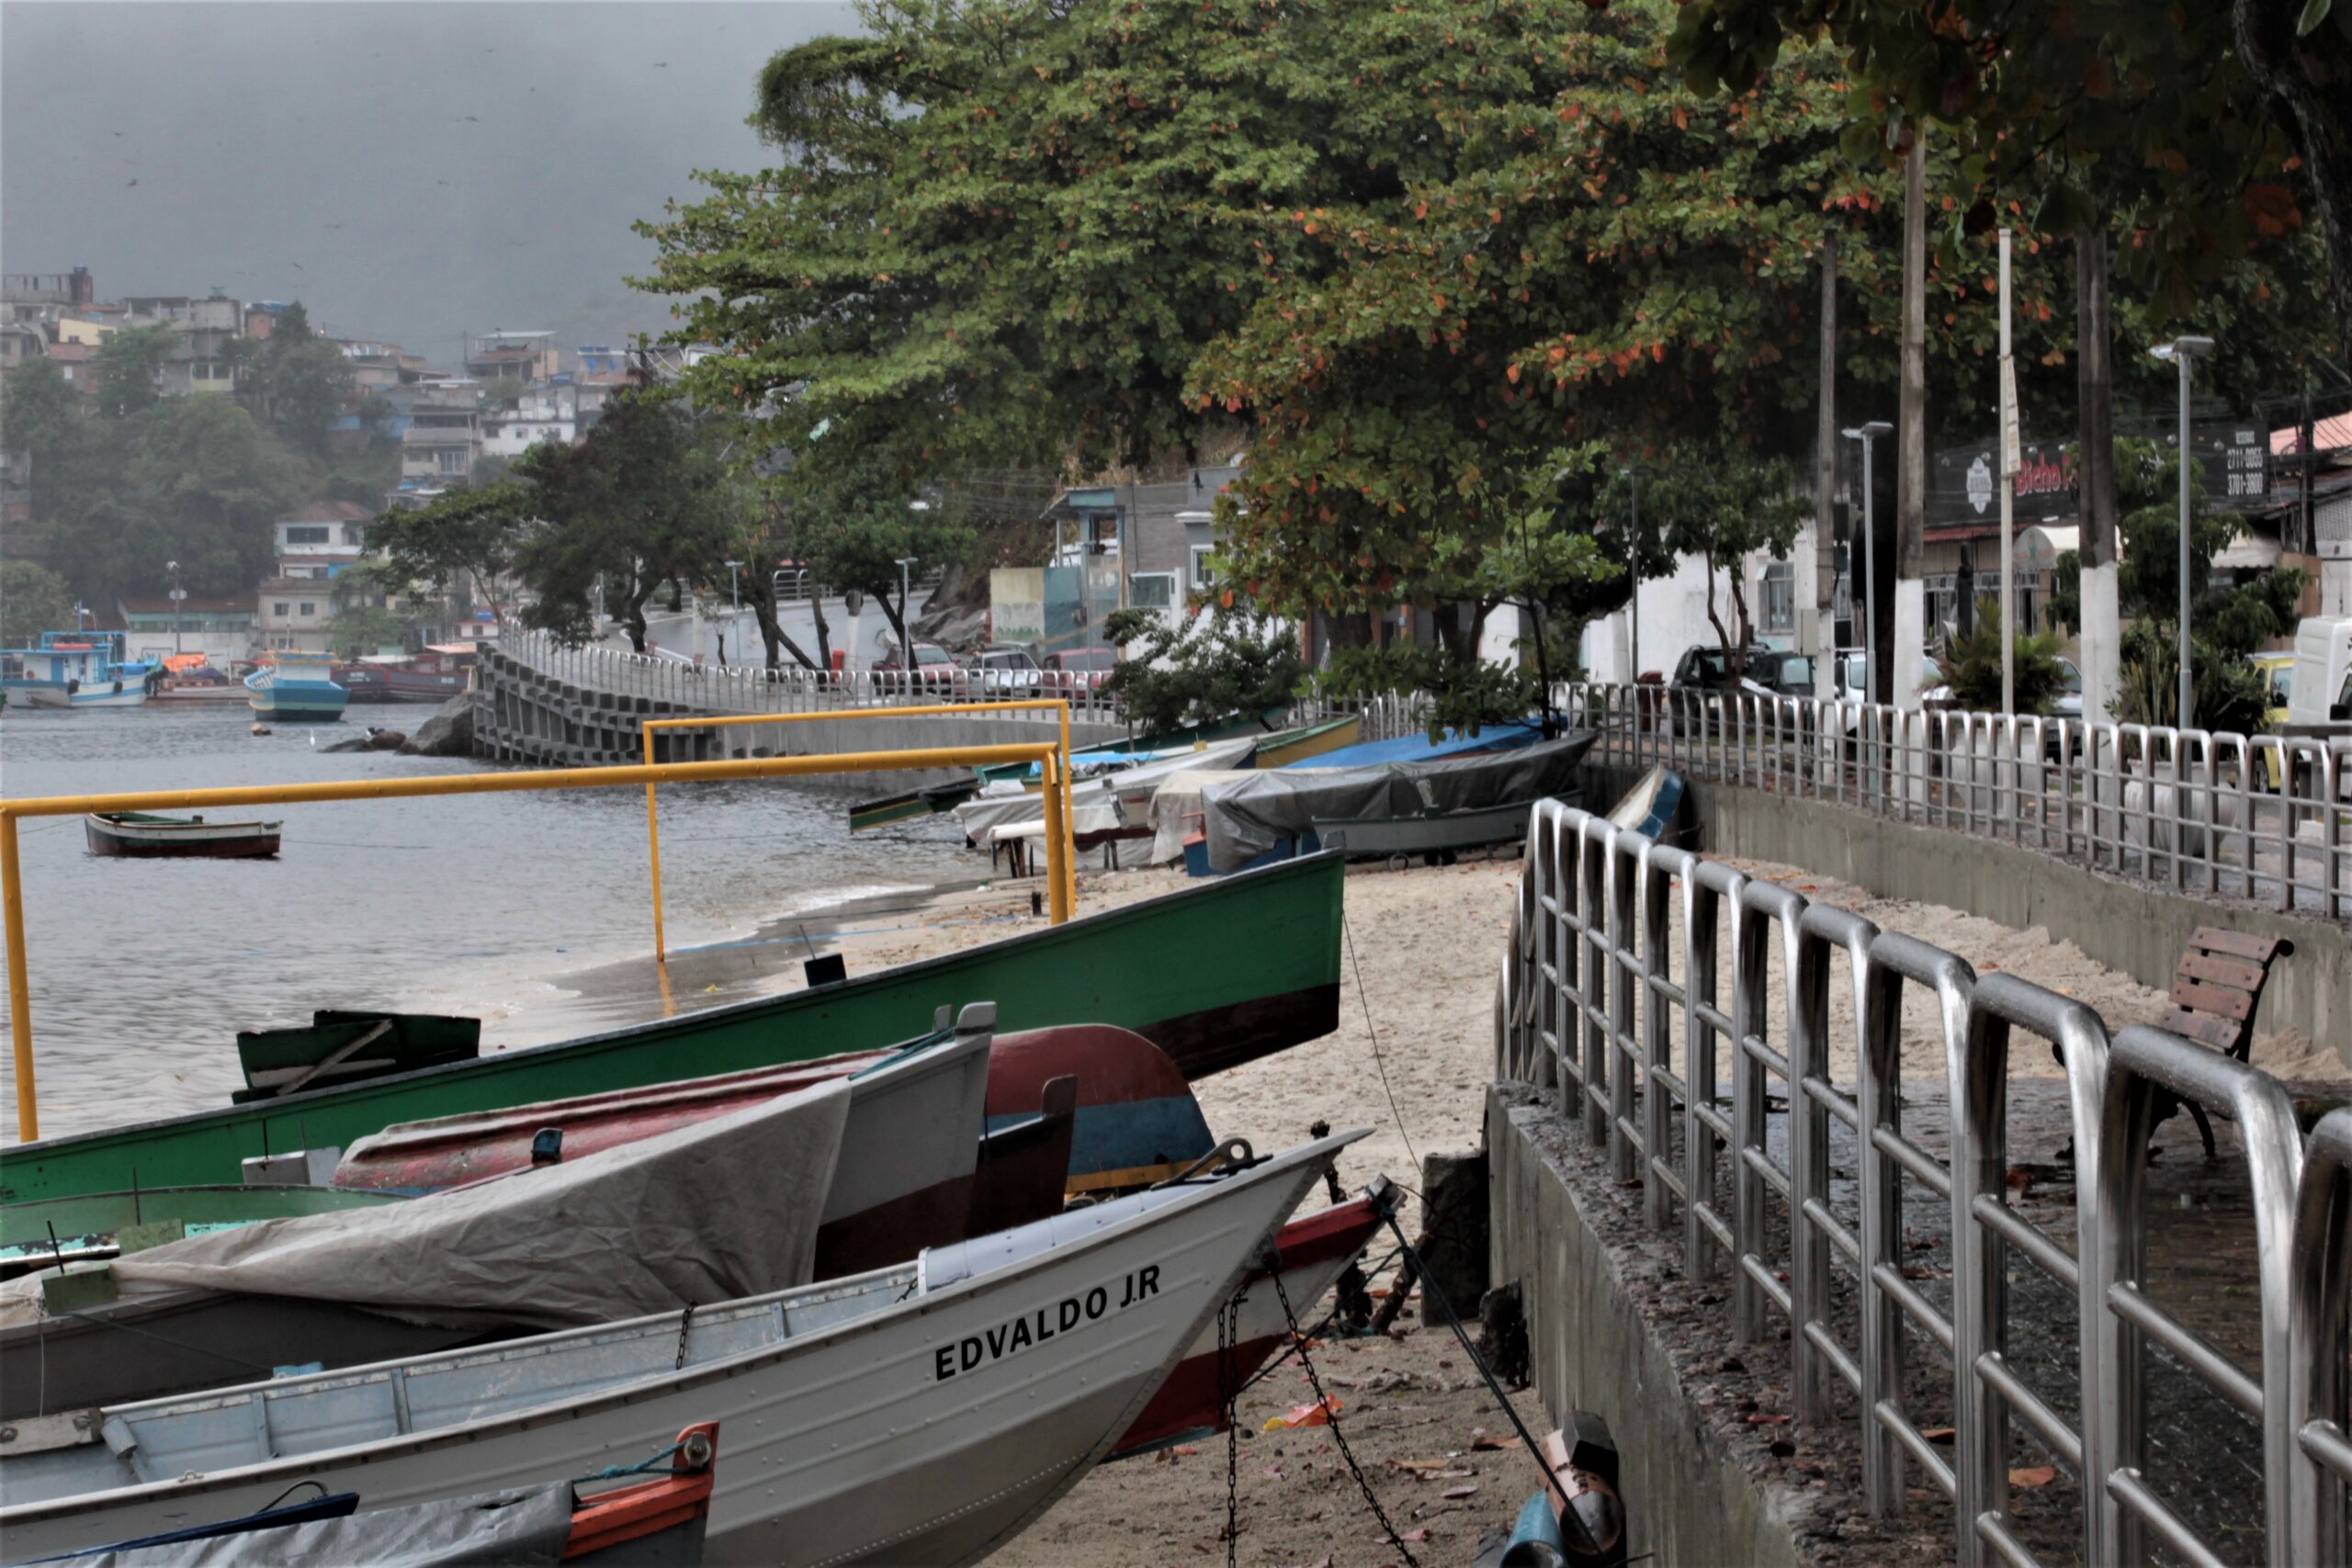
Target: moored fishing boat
(296,686)
(1215,976)
(135,835)
(989,1376)
(75,669)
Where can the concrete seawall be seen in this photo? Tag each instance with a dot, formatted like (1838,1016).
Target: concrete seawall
(2135,926)
(1691,1497)
(529,714)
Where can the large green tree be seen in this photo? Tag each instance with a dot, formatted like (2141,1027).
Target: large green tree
(645,499)
(464,540)
(192,479)
(295,379)
(33,600)
(127,364)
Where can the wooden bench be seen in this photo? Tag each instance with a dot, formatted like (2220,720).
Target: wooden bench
(2215,991)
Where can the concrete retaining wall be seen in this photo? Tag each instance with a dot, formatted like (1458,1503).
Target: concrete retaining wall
(2130,926)
(524,715)
(1689,1498)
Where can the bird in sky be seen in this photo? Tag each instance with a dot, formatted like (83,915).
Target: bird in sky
(473,120)
(128,183)
(661,65)
(115,133)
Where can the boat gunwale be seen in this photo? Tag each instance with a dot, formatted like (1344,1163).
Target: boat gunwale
(1296,1163)
(610,1039)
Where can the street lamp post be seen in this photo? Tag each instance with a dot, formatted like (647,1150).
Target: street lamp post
(734,589)
(179,595)
(1868,435)
(906,591)
(2180,351)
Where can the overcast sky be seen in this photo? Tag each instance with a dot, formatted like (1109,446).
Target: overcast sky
(411,170)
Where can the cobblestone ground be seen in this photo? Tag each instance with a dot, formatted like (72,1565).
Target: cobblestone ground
(2204,1455)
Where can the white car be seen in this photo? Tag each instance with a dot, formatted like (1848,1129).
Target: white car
(1004,675)
(1853,680)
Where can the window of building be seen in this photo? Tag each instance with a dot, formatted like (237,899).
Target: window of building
(1779,594)
(452,460)
(306,534)
(279,608)
(308,608)
(354,533)
(1204,570)
(1153,590)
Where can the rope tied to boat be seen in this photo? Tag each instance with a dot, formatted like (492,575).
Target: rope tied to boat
(642,1467)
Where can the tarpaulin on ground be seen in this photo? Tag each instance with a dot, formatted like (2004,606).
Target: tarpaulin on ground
(1255,813)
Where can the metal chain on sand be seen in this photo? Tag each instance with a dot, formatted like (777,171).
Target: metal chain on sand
(1299,1340)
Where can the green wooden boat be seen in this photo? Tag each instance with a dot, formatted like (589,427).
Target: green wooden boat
(1221,972)
(338,1047)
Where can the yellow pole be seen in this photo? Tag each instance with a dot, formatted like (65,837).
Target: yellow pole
(653,864)
(20,999)
(1057,889)
(1068,843)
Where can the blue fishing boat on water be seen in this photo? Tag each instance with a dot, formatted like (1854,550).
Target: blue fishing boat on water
(296,686)
(75,669)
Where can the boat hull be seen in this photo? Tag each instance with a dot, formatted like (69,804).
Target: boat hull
(195,838)
(929,1431)
(1219,974)
(130,696)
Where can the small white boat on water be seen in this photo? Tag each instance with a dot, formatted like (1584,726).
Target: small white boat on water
(916,1414)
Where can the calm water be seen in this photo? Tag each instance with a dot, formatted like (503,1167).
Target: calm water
(528,910)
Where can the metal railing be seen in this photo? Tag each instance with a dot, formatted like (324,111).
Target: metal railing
(1592,985)
(2265,818)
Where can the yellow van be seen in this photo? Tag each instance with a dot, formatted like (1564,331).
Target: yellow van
(2278,672)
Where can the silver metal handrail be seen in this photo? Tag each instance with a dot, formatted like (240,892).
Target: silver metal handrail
(1591,984)
(2189,809)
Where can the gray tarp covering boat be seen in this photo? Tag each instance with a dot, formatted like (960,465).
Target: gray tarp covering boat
(720,1209)
(1255,813)
(523,1528)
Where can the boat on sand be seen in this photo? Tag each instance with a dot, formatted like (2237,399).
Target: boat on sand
(988,1377)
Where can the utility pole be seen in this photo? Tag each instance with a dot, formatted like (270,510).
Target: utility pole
(1824,644)
(2180,351)
(179,596)
(1911,442)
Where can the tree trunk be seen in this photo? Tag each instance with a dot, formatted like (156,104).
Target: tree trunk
(2095,474)
(1911,437)
(825,628)
(897,615)
(1824,483)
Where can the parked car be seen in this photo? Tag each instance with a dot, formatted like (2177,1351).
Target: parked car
(932,674)
(1853,680)
(1078,670)
(1002,674)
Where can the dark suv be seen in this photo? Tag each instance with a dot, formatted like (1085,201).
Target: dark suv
(1768,672)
